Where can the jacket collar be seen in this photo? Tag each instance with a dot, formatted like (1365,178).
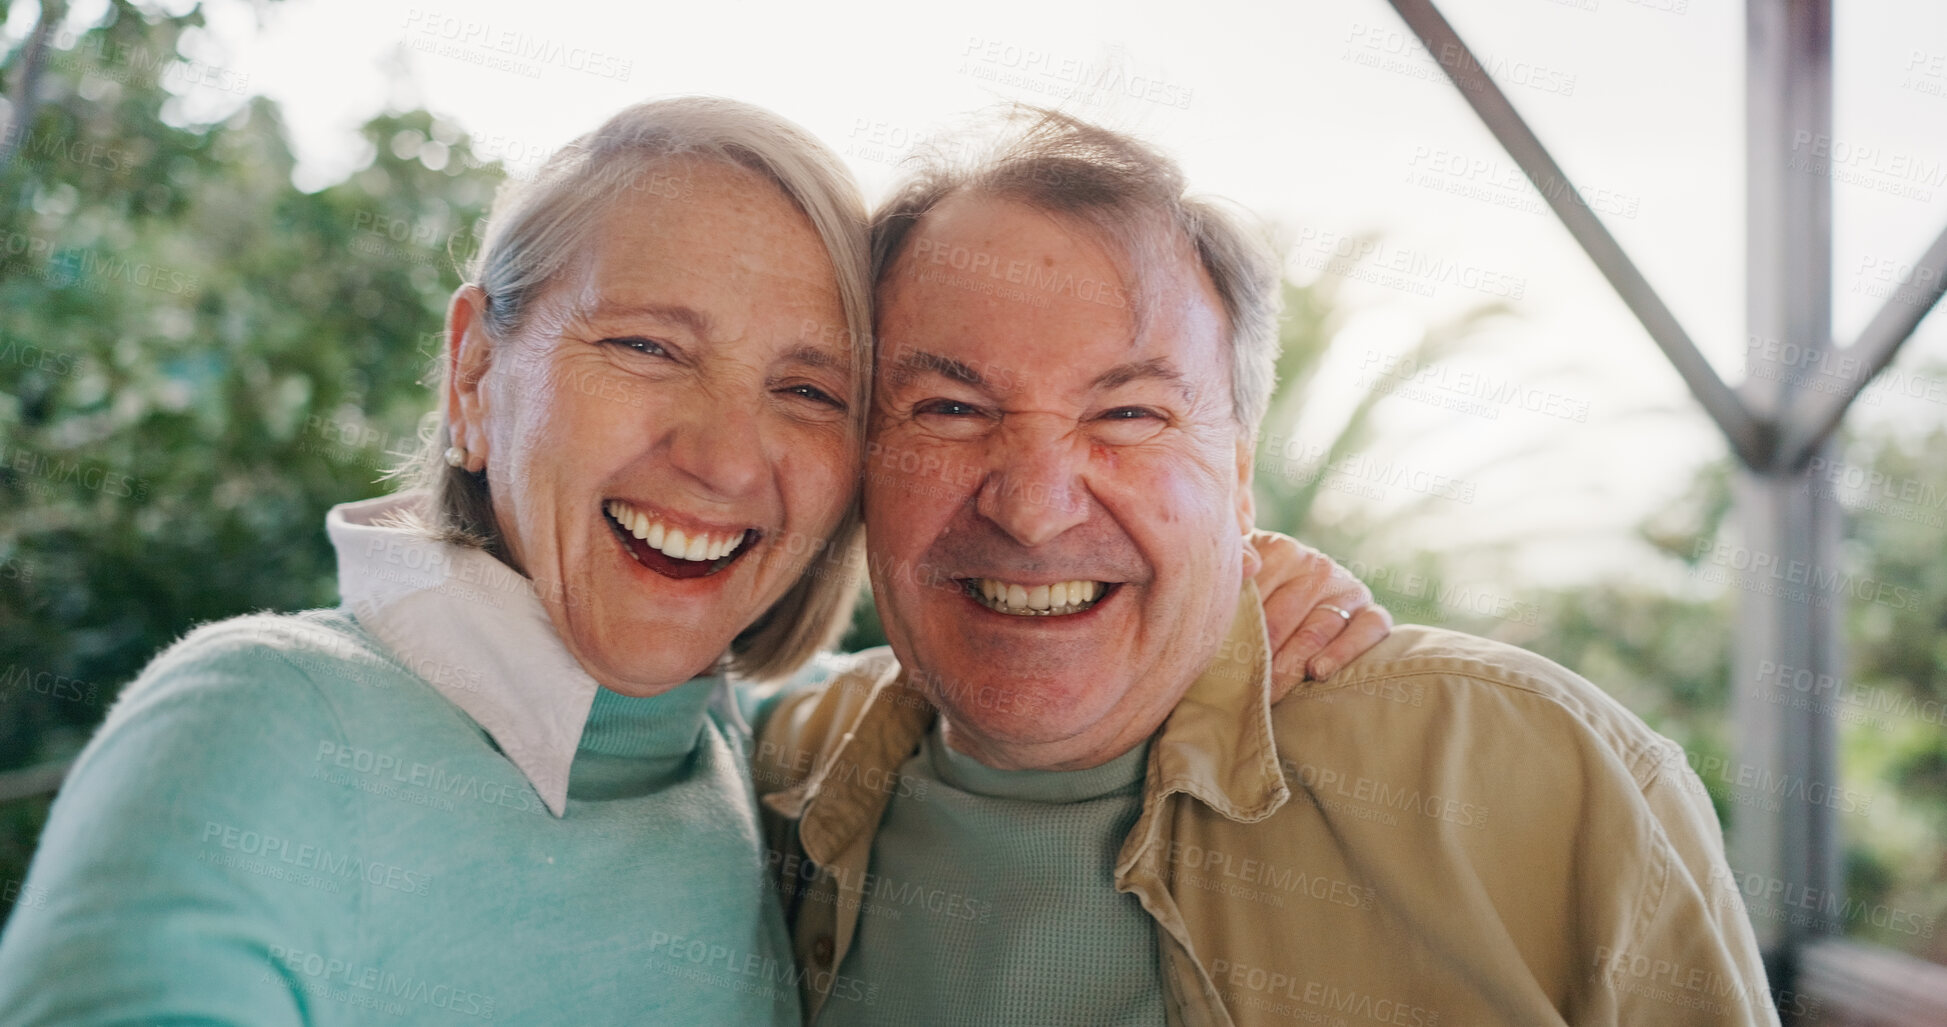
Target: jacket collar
(835,804)
(1217,746)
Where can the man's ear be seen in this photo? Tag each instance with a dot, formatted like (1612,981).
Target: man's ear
(1247,504)
(1246,501)
(468,356)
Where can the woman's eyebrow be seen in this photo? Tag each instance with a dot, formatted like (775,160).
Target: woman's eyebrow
(695,321)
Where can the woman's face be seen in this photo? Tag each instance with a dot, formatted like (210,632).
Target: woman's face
(668,439)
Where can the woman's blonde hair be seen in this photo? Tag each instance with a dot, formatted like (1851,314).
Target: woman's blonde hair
(533,234)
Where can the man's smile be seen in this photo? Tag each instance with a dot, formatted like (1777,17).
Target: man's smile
(1059,599)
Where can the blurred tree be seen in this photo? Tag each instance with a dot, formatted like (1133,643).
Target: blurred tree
(197,359)
(1291,472)
(1664,650)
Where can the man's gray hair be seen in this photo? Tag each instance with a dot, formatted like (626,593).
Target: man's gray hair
(534,234)
(1134,197)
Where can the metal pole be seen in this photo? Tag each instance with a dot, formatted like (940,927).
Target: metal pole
(1751,439)
(1782,831)
(1820,412)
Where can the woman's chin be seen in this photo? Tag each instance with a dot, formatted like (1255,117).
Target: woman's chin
(645,668)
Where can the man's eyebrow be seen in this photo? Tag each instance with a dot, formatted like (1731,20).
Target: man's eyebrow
(914,363)
(1156,368)
(694,321)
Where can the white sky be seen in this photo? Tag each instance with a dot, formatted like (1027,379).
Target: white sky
(1318,115)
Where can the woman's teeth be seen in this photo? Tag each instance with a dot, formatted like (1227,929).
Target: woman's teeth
(672,542)
(1035,600)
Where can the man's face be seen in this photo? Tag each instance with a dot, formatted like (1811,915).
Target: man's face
(1056,491)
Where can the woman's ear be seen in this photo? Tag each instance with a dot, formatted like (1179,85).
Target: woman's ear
(469,355)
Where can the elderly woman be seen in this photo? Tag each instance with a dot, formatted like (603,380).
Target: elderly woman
(507,779)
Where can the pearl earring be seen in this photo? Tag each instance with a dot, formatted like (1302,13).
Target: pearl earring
(455,456)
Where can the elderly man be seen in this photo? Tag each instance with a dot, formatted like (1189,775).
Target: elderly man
(1074,798)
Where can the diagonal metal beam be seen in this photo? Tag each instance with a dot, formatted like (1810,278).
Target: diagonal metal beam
(1818,413)
(1751,438)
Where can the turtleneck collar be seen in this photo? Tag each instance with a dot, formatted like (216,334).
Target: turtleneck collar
(970,775)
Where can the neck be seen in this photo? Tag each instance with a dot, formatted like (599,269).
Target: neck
(1082,752)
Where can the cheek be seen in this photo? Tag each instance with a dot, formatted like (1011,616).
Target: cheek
(1173,497)
(818,477)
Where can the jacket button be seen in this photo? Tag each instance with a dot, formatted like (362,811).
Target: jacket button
(821,950)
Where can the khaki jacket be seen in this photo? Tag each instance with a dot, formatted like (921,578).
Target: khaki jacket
(1449,831)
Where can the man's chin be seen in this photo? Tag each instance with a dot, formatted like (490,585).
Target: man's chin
(1025,705)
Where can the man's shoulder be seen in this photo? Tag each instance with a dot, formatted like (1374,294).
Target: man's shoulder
(816,719)
(1456,682)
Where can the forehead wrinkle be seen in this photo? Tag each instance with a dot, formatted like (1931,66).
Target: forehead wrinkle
(806,353)
(917,363)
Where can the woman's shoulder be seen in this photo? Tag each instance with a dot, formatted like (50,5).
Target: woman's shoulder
(236,658)
(255,675)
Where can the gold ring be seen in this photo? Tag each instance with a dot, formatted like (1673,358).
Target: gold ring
(1337,610)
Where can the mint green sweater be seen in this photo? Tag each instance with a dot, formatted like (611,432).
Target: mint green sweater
(993,901)
(279,824)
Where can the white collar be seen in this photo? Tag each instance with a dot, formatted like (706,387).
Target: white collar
(474,629)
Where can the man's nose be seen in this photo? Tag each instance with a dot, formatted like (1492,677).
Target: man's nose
(1034,490)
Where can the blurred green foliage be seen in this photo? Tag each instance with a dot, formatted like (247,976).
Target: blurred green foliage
(197,359)
(1664,650)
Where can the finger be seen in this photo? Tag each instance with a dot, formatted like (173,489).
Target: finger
(1253,559)
(1368,628)
(1290,587)
(1291,656)
(1321,627)
(1296,602)
(1283,557)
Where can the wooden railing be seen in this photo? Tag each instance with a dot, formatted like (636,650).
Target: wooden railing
(33,782)
(1847,984)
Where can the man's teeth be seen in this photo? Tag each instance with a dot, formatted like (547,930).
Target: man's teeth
(672,542)
(1037,600)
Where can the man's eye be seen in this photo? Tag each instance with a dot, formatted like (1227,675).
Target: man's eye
(1127,426)
(947,408)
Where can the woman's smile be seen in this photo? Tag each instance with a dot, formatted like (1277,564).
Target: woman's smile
(655,541)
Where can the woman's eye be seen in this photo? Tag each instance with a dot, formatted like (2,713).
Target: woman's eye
(815,394)
(1130,414)
(641,345)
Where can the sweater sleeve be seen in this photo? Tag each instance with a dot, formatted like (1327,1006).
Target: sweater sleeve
(179,878)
